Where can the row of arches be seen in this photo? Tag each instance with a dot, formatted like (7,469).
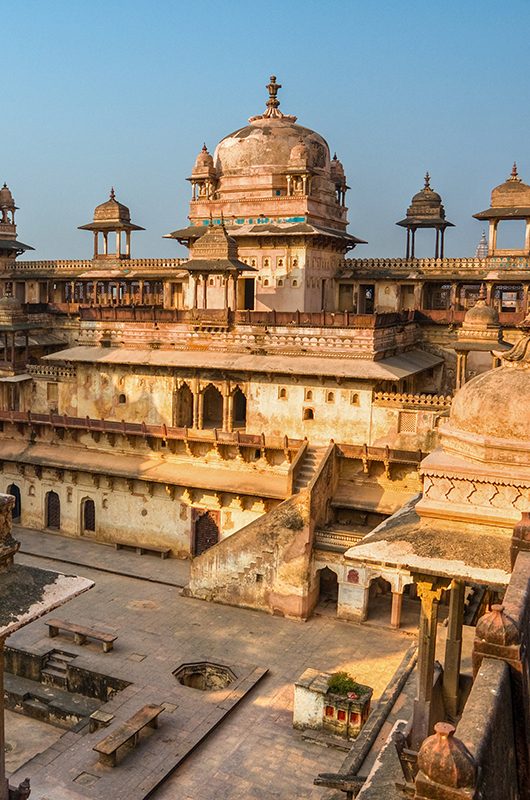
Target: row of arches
(206,527)
(52,510)
(209,408)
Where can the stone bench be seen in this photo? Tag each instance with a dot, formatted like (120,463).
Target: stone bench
(81,633)
(127,733)
(163,552)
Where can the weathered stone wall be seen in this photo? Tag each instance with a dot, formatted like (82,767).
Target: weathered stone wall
(146,515)
(267,565)
(486,728)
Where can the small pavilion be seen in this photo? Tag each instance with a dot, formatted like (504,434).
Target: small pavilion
(214,253)
(10,247)
(480,332)
(509,201)
(458,533)
(111,217)
(425,211)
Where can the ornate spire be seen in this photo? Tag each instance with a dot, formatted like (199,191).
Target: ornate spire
(272,111)
(112,193)
(514,174)
(427,181)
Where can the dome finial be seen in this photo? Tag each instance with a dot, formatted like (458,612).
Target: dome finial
(514,174)
(273,87)
(427,181)
(112,193)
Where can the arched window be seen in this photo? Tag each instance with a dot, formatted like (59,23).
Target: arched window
(14,490)
(88,515)
(308,394)
(295,262)
(280,281)
(240,409)
(266,282)
(280,262)
(183,415)
(330,397)
(282,393)
(53,511)
(212,407)
(266,262)
(308,414)
(294,283)
(122,399)
(354,399)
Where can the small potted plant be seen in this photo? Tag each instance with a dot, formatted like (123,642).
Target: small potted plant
(347,705)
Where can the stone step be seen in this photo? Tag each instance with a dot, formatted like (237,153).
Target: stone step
(54,677)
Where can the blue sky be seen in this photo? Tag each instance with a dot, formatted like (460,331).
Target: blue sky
(124,92)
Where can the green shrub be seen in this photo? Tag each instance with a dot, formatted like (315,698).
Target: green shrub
(342,683)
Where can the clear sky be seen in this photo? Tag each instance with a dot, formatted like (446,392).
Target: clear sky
(124,92)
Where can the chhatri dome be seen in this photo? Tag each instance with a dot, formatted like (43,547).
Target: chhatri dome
(268,141)
(481,315)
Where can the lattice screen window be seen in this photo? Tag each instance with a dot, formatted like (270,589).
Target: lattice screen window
(407,422)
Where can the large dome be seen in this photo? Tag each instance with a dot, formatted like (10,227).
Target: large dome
(494,404)
(268,142)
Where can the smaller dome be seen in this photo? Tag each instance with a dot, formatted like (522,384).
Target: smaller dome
(299,153)
(427,196)
(512,193)
(112,211)
(204,161)
(6,198)
(337,170)
(481,315)
(496,627)
(446,760)
(482,247)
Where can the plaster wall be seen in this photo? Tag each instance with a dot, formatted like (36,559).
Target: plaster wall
(138,517)
(340,418)
(308,706)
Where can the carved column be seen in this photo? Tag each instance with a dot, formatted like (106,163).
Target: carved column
(429,593)
(453,648)
(200,410)
(395,614)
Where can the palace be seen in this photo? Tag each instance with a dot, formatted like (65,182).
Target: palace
(263,405)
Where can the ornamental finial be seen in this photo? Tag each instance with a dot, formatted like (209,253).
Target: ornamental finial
(273,87)
(514,174)
(272,111)
(112,193)
(427,181)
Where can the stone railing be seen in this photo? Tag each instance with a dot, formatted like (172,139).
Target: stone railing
(69,265)
(51,371)
(336,540)
(440,265)
(420,401)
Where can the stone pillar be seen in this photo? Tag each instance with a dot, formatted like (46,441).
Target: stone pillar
(141,292)
(128,244)
(204,291)
(429,593)
(492,243)
(527,237)
(229,412)
(226,289)
(200,410)
(105,244)
(118,244)
(453,649)
(461,368)
(395,614)
(96,244)
(195,422)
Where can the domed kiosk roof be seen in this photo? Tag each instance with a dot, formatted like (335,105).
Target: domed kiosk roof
(509,200)
(268,141)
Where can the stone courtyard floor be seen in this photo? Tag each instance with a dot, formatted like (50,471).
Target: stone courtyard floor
(254,752)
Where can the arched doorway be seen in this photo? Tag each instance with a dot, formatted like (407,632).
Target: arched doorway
(53,511)
(14,490)
(206,531)
(88,516)
(379,601)
(184,407)
(212,407)
(240,409)
(328,592)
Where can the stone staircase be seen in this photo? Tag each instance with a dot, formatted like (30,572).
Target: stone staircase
(54,673)
(312,458)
